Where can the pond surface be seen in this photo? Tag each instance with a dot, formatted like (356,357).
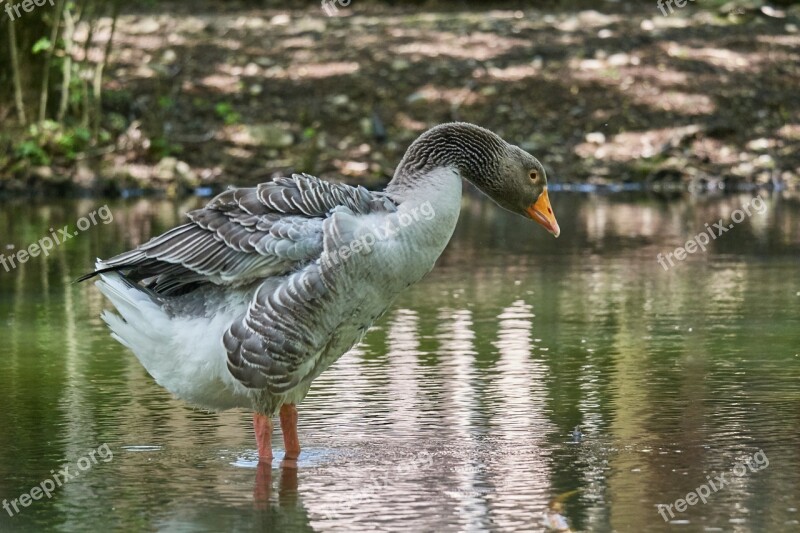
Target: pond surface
(458,411)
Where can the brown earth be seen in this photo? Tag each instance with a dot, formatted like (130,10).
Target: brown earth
(618,93)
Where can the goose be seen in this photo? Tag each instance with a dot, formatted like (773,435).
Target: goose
(248,302)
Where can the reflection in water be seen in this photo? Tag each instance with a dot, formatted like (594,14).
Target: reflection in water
(405,379)
(285,512)
(469,487)
(520,420)
(457,411)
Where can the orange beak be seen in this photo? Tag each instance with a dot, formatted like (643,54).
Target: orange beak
(542,212)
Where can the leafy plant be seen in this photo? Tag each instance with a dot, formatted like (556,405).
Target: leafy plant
(225,111)
(42,45)
(32,152)
(165,102)
(72,142)
(161,147)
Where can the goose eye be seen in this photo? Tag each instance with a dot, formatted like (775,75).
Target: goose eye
(534,175)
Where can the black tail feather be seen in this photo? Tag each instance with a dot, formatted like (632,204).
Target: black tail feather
(97,273)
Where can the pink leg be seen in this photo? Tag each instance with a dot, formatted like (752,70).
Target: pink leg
(263,427)
(290,440)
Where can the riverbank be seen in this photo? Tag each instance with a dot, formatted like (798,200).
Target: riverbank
(196,98)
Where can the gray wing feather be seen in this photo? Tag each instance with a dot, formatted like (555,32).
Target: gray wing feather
(290,321)
(278,333)
(246,234)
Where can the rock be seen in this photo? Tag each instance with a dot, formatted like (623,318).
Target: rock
(84,175)
(619,60)
(165,169)
(186,174)
(42,172)
(250,69)
(169,57)
(596,137)
(271,135)
(760,144)
(175,173)
(340,100)
(740,7)
(765,161)
(400,64)
(772,12)
(147,25)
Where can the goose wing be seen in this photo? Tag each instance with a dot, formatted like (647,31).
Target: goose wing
(245,234)
(292,320)
(275,344)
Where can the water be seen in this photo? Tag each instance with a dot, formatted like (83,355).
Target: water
(457,412)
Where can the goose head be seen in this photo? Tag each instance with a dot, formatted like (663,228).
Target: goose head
(519,184)
(507,174)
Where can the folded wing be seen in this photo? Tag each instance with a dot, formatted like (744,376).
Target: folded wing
(245,234)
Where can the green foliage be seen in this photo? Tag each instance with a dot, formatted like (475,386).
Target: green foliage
(44,77)
(72,142)
(225,111)
(42,45)
(30,151)
(48,140)
(165,102)
(116,122)
(161,147)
